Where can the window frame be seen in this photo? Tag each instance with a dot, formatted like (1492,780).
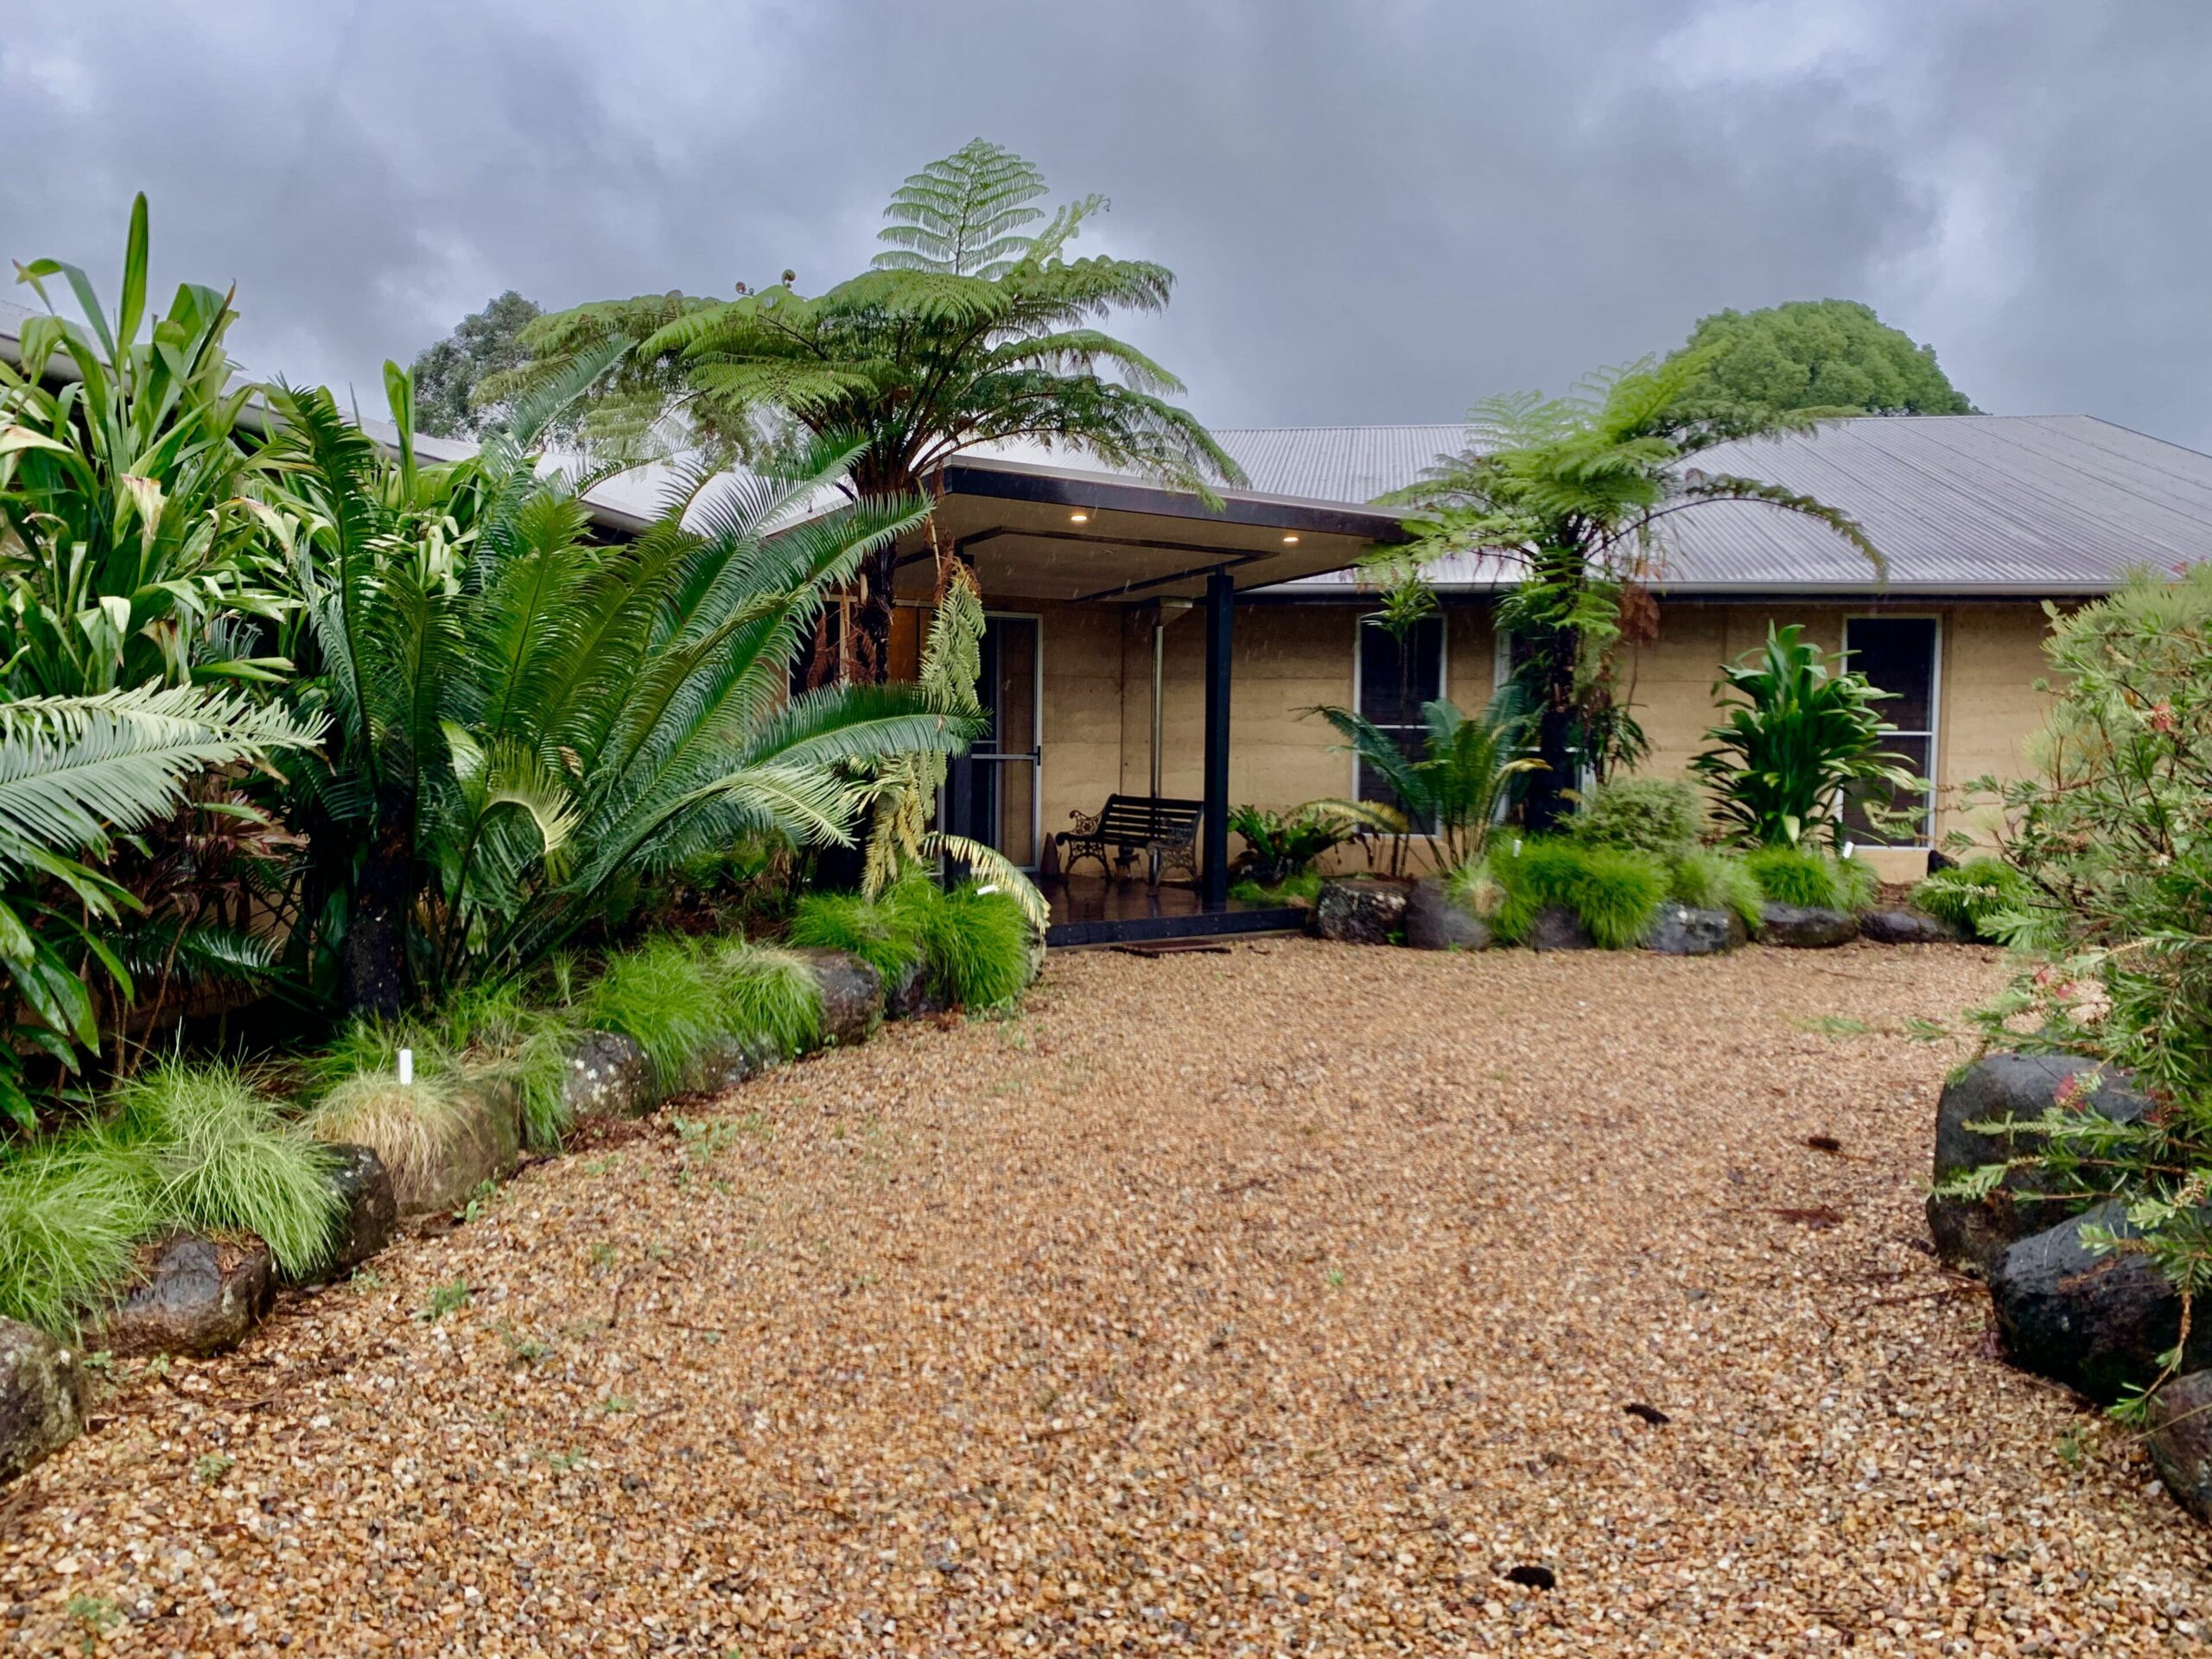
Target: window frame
(1933,734)
(1360,625)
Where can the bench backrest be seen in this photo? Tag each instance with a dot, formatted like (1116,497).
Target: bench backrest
(1149,818)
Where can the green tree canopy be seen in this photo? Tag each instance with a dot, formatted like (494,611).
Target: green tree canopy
(973,325)
(446,375)
(1820,357)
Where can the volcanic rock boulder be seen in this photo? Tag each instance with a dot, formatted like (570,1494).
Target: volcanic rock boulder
(1359,913)
(1435,922)
(1558,928)
(1684,931)
(194,1296)
(1906,927)
(852,996)
(42,1397)
(2096,1321)
(1972,1233)
(1805,927)
(2180,1441)
(368,1210)
(609,1077)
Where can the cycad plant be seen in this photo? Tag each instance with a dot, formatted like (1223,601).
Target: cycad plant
(526,725)
(76,773)
(1451,789)
(974,325)
(1800,735)
(132,549)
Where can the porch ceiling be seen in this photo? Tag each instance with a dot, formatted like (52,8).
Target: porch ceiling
(1042,534)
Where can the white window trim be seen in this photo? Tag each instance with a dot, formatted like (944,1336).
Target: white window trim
(1934,733)
(1443,688)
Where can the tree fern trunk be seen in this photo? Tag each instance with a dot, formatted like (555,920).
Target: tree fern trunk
(372,966)
(1545,806)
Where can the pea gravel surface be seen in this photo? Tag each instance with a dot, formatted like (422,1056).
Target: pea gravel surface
(1288,1300)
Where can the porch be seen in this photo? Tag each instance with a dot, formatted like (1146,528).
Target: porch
(1107,672)
(1103,910)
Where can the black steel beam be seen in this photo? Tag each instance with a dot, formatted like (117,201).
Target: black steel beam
(1213,830)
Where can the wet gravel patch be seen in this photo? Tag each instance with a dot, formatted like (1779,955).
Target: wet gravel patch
(1301,1299)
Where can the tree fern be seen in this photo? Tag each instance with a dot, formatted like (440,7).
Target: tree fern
(1579,492)
(972,327)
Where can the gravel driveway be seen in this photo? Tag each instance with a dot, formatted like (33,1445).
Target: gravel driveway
(1283,1300)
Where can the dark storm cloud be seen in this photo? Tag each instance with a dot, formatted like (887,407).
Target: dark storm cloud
(1377,210)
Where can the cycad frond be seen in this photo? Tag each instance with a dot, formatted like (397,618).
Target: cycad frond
(75,770)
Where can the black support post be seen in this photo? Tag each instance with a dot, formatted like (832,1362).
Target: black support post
(1221,617)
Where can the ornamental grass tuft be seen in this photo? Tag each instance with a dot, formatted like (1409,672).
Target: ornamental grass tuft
(975,943)
(1812,879)
(883,936)
(1705,878)
(222,1161)
(71,1211)
(1613,892)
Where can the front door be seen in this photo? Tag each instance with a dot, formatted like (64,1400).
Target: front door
(991,793)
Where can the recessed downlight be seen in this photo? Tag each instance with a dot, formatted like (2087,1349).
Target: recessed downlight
(1290,541)
(1078,518)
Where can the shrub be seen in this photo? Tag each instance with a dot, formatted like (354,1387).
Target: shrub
(1975,895)
(1306,886)
(1283,845)
(70,1210)
(767,994)
(1800,736)
(976,945)
(1660,816)
(1614,892)
(661,997)
(1707,880)
(222,1161)
(1799,876)
(2113,842)
(883,936)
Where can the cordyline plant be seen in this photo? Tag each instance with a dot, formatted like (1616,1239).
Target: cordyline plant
(2113,836)
(1800,737)
(131,551)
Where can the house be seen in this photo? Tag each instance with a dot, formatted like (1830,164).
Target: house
(1145,642)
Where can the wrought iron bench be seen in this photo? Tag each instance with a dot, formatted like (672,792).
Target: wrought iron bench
(1166,830)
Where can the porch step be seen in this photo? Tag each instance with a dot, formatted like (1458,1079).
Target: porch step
(1203,925)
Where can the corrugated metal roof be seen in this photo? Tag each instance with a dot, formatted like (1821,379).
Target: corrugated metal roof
(2022,504)
(1962,503)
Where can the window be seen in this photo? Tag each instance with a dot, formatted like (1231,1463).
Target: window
(1390,687)
(1899,655)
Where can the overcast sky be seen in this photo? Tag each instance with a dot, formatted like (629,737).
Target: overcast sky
(1378,210)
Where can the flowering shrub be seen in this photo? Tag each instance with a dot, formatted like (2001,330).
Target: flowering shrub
(2112,840)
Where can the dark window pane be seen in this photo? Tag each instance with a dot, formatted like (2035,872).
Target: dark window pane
(1380,683)
(1860,828)
(1898,655)
(1372,786)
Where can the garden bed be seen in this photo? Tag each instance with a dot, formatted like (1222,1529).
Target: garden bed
(1293,1298)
